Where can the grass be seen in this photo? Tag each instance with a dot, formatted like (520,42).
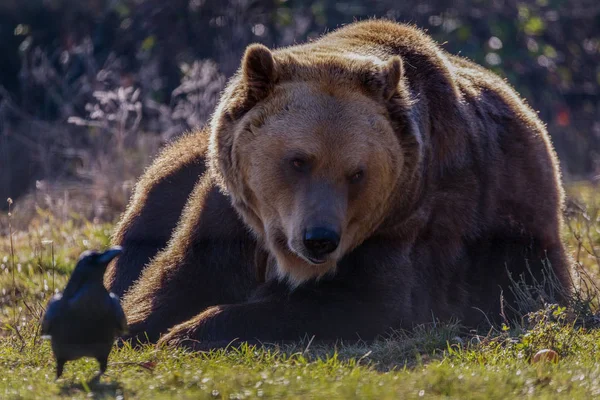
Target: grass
(492,370)
(436,360)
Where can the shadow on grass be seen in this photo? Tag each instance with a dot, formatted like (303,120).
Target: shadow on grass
(397,350)
(101,390)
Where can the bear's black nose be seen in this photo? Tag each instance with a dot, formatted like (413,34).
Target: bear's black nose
(320,241)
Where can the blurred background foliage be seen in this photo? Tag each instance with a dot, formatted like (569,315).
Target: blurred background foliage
(90,89)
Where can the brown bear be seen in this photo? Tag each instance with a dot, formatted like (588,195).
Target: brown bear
(362,182)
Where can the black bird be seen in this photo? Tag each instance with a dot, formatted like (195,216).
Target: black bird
(85,319)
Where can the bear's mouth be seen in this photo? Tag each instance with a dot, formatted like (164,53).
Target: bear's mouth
(281,241)
(316,261)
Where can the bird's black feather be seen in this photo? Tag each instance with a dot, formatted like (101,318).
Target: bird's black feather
(85,319)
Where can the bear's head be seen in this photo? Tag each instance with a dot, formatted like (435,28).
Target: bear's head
(312,149)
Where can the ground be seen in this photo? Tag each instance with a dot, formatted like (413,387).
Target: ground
(437,360)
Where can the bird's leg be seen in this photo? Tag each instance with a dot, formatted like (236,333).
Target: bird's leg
(103,364)
(60,364)
(103,361)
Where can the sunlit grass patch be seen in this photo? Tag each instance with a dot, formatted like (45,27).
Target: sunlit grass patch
(490,367)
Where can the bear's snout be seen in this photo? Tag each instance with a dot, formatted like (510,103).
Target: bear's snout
(320,241)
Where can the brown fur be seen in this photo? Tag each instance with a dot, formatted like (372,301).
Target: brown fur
(155,207)
(459,183)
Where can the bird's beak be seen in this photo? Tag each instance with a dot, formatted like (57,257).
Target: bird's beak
(109,254)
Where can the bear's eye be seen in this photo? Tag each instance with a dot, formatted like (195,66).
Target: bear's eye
(298,164)
(357,176)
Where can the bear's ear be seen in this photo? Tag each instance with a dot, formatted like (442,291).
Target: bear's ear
(258,69)
(390,74)
(385,79)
